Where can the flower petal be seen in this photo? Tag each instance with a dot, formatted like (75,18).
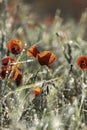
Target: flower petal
(81,61)
(33,51)
(14,46)
(46,58)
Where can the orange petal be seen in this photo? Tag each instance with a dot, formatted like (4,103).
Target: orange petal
(33,51)
(46,58)
(37,91)
(6,60)
(52,58)
(14,74)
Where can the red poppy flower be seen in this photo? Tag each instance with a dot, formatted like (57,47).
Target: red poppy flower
(37,91)
(14,46)
(33,51)
(7,70)
(11,71)
(7,60)
(82,62)
(46,58)
(16,75)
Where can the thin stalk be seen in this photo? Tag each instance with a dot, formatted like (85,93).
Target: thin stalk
(4,30)
(3,41)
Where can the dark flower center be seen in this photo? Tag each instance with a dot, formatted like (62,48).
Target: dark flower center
(83,64)
(3,74)
(15,49)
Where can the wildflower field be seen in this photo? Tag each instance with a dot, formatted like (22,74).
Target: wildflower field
(43,70)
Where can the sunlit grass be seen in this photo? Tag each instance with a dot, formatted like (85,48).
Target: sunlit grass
(62,105)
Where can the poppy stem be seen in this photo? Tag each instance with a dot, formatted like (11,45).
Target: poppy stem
(29,60)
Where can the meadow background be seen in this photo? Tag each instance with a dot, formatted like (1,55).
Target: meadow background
(57,26)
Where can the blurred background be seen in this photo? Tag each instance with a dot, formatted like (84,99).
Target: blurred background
(68,8)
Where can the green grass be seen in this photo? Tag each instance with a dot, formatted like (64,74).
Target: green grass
(63,103)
